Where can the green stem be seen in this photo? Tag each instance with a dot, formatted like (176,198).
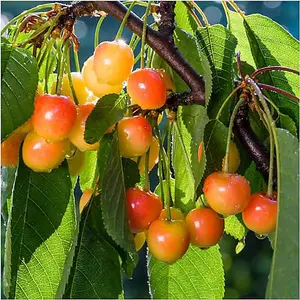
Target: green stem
(121,28)
(226,101)
(202,14)
(144,35)
(68,66)
(48,64)
(25,13)
(134,37)
(63,48)
(160,174)
(235,110)
(147,183)
(76,60)
(97,30)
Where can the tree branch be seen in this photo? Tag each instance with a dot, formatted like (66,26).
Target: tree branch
(163,45)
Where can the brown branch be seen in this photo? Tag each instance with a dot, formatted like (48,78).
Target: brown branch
(157,40)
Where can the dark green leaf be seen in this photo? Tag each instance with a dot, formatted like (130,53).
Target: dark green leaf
(40,233)
(131,172)
(192,121)
(88,175)
(188,48)
(284,276)
(255,178)
(112,186)
(96,271)
(18,85)
(184,178)
(218,46)
(215,137)
(108,111)
(198,274)
(287,123)
(183,18)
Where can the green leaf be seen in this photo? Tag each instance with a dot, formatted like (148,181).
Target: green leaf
(218,45)
(88,175)
(215,137)
(96,271)
(112,186)
(187,46)
(8,176)
(158,191)
(284,275)
(108,111)
(255,178)
(184,178)
(18,85)
(287,123)
(40,233)
(183,18)
(274,46)
(198,274)
(235,228)
(192,121)
(131,172)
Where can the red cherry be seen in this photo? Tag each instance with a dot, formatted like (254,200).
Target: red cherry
(147,89)
(260,215)
(53,117)
(205,227)
(227,194)
(142,209)
(168,241)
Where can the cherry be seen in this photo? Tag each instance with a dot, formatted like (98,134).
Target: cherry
(139,240)
(76,163)
(85,198)
(168,241)
(142,209)
(54,116)
(227,194)
(76,136)
(41,155)
(167,80)
(205,227)
(153,156)
(97,88)
(135,136)
(82,93)
(113,62)
(234,158)
(176,214)
(147,88)
(260,215)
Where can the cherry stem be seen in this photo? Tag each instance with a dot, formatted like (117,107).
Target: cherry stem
(160,174)
(97,30)
(76,60)
(147,183)
(68,67)
(60,67)
(231,122)
(226,101)
(277,90)
(236,8)
(144,35)
(202,14)
(192,12)
(121,28)
(273,68)
(168,203)
(48,64)
(239,65)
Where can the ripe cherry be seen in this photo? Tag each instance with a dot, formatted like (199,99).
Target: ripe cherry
(234,158)
(76,136)
(54,116)
(147,88)
(205,227)
(227,194)
(97,88)
(168,241)
(113,62)
(142,209)
(135,136)
(167,80)
(139,240)
(176,214)
(153,157)
(41,155)
(82,93)
(85,198)
(260,215)
(76,162)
